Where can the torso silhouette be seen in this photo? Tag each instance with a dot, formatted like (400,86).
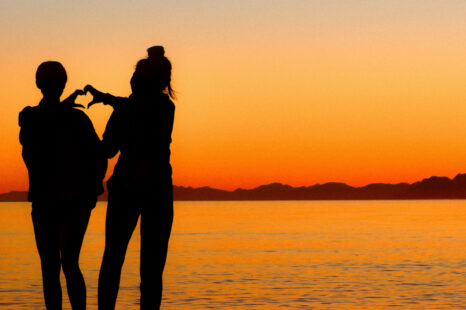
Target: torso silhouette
(62,153)
(140,128)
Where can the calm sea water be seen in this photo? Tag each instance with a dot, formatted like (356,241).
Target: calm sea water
(272,255)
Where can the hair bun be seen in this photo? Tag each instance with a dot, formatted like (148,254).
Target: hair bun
(156,52)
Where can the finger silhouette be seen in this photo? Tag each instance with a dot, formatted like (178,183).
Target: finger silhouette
(96,95)
(77,105)
(80,92)
(90,88)
(92,103)
(71,99)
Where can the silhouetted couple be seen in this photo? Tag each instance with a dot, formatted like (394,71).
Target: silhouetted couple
(67,161)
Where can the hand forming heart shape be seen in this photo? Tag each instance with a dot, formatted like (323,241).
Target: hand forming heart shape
(97,97)
(71,98)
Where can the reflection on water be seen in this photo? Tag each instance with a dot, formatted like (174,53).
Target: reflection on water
(270,255)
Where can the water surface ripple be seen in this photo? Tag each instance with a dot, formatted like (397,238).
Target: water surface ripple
(272,255)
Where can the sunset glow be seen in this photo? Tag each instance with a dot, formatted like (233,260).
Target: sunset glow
(297,92)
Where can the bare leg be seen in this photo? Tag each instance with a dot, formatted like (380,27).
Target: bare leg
(46,231)
(120,223)
(156,224)
(73,231)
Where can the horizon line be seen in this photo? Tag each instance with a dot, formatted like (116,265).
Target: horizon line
(285,184)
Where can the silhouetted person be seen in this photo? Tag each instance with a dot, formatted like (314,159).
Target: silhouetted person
(141,185)
(66,166)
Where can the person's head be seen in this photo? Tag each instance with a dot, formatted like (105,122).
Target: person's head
(51,79)
(153,74)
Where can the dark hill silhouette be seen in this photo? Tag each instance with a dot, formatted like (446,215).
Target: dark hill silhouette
(14,196)
(429,188)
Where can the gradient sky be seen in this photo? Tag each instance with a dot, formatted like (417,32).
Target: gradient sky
(298,92)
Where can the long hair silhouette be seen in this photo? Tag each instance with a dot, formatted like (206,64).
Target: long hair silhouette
(140,129)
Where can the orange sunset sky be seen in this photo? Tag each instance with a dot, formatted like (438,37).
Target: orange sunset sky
(298,92)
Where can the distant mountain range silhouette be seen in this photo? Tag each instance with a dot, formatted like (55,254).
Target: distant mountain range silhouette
(430,188)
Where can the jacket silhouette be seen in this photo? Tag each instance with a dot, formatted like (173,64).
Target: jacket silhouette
(62,153)
(66,166)
(140,128)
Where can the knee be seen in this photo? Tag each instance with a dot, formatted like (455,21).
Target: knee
(114,252)
(70,265)
(50,264)
(112,259)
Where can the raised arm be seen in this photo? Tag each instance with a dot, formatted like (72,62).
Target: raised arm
(105,98)
(72,98)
